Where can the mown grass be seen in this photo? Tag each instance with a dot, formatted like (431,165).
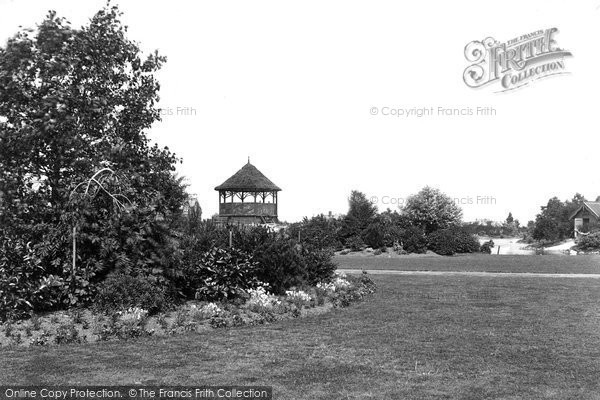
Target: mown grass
(583,264)
(418,337)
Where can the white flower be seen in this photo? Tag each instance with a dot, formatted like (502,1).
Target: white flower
(207,311)
(210,309)
(297,295)
(340,283)
(133,314)
(330,287)
(261,297)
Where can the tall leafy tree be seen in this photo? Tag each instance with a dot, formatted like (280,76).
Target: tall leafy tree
(74,102)
(361,213)
(510,219)
(430,209)
(361,208)
(553,222)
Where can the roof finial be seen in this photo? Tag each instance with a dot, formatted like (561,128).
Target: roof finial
(248,159)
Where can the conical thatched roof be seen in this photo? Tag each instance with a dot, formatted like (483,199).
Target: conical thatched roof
(249,178)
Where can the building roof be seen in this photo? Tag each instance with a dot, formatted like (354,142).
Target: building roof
(593,206)
(248,178)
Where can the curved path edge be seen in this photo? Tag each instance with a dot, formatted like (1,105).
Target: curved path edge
(468,273)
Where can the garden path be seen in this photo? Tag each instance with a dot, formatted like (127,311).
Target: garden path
(469,273)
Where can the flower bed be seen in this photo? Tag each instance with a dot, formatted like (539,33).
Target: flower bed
(257,307)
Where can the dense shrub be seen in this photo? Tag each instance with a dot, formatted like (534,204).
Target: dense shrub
(274,258)
(41,276)
(413,240)
(281,265)
(199,238)
(486,247)
(24,283)
(222,273)
(134,242)
(590,242)
(121,292)
(356,243)
(374,235)
(248,239)
(546,229)
(318,232)
(319,264)
(442,242)
(392,234)
(451,241)
(205,236)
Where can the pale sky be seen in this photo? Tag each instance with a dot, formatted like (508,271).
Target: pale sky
(292,84)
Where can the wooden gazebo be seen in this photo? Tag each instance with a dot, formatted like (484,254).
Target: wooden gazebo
(248,197)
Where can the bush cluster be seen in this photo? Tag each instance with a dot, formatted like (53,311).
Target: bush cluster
(319,231)
(450,241)
(319,264)
(364,227)
(487,247)
(24,282)
(222,274)
(590,242)
(120,292)
(355,243)
(202,266)
(405,238)
(413,240)
(214,271)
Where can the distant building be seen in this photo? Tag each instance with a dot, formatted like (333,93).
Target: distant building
(192,208)
(331,216)
(248,197)
(586,217)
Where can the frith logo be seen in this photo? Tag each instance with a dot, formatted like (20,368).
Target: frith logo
(516,62)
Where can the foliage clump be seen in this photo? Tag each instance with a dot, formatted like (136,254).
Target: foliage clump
(451,241)
(589,242)
(120,292)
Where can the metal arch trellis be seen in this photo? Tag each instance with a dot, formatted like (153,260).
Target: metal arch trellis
(98,178)
(98,181)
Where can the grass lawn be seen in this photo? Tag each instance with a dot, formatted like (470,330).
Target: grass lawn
(583,264)
(418,337)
